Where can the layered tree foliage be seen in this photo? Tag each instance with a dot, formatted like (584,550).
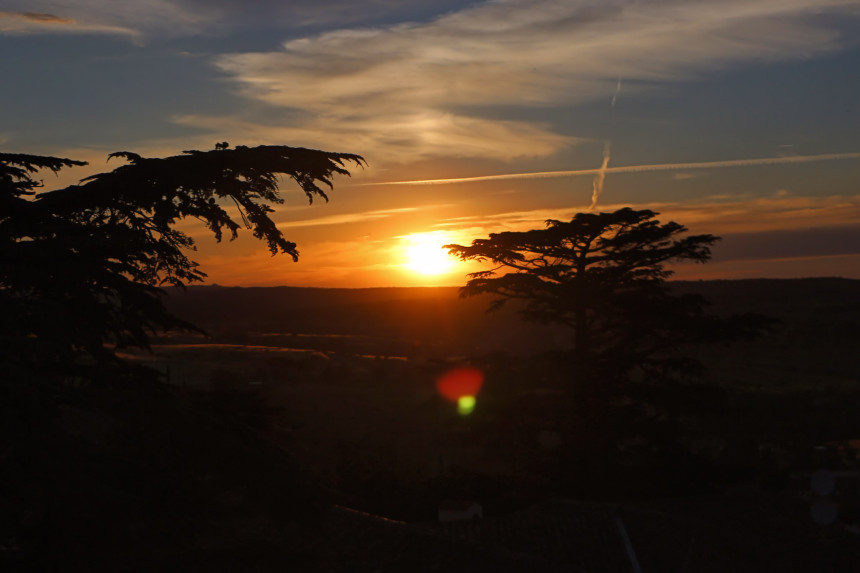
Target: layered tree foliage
(81,268)
(604,276)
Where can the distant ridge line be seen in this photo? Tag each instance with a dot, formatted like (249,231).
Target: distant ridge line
(457,287)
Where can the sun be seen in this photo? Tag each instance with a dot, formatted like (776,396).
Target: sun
(425,255)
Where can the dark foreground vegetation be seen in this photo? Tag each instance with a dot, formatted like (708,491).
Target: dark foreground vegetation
(300,401)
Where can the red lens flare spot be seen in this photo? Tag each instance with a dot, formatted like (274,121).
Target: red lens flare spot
(460,382)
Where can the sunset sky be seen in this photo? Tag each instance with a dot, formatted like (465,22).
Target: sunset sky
(739,118)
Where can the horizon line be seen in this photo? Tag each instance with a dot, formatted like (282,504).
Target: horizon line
(460,285)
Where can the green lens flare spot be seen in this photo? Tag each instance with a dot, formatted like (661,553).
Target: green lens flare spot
(465,405)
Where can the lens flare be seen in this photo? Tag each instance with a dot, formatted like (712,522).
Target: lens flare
(461,385)
(465,405)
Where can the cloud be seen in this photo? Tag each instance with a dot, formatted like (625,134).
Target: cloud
(285,14)
(347,218)
(39,17)
(766,214)
(41,23)
(798,238)
(216,18)
(134,20)
(729,215)
(395,80)
(783,235)
(790,243)
(401,138)
(481,225)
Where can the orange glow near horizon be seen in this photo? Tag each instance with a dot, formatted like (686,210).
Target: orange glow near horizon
(406,250)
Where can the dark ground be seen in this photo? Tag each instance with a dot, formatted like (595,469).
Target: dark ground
(304,402)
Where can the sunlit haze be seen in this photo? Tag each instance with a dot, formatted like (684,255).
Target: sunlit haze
(732,117)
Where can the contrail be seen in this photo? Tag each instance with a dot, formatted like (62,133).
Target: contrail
(597,185)
(617,91)
(633,169)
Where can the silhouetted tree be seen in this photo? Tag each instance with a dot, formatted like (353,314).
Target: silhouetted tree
(81,267)
(603,275)
(81,275)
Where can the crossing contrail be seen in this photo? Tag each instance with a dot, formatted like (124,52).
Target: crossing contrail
(634,169)
(617,91)
(597,185)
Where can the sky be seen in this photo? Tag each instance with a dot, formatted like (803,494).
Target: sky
(738,118)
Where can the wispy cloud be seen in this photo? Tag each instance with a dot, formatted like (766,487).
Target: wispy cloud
(421,88)
(480,225)
(400,138)
(42,23)
(766,214)
(222,18)
(39,17)
(733,215)
(348,218)
(772,236)
(286,14)
(134,20)
(603,170)
(780,229)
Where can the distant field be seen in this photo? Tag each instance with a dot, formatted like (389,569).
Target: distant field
(815,344)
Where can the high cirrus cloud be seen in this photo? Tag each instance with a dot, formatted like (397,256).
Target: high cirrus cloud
(42,22)
(399,135)
(723,215)
(37,17)
(525,53)
(147,19)
(134,20)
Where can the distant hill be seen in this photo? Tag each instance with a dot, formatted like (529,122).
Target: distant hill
(781,298)
(437,319)
(330,310)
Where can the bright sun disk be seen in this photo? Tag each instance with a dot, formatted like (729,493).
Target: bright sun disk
(425,255)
